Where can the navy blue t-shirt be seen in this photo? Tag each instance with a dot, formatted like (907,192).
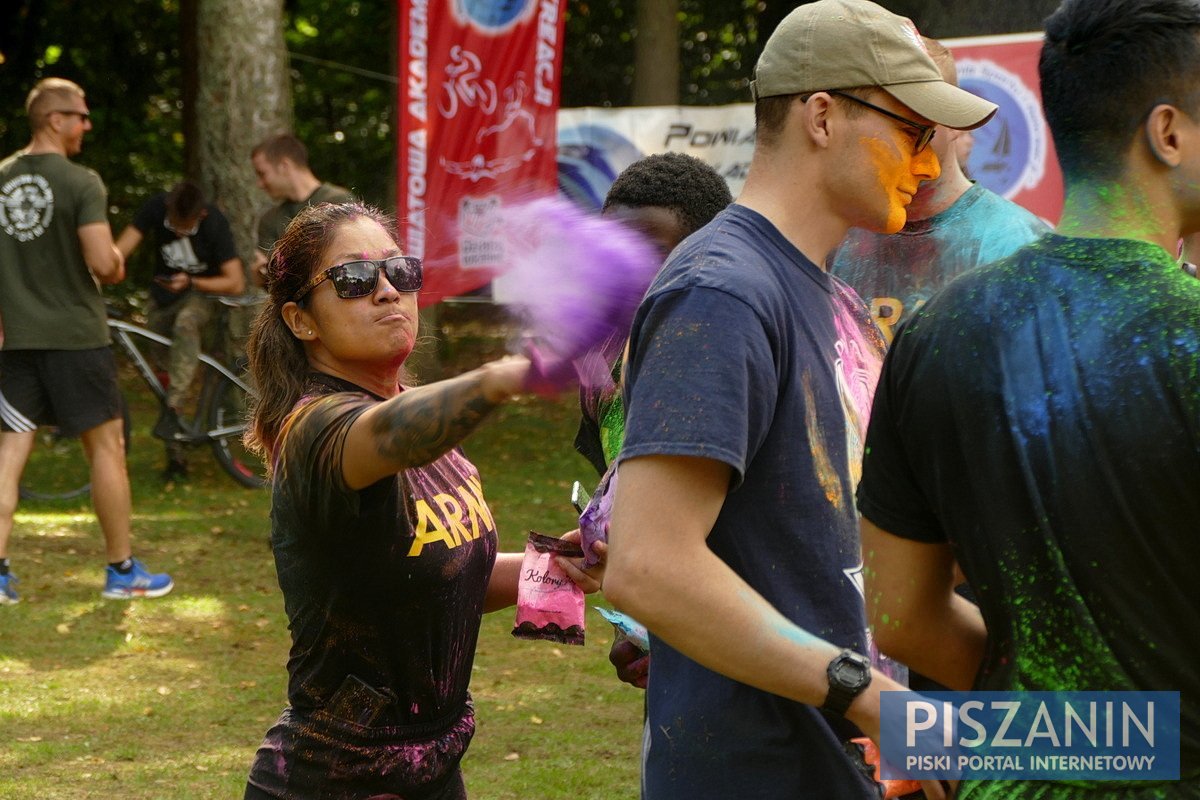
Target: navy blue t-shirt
(200,255)
(746,352)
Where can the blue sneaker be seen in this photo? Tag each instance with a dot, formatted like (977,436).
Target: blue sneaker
(138,583)
(8,595)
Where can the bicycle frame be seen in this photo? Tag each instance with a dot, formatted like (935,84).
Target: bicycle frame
(120,331)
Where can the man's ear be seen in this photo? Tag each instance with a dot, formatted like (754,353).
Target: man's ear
(812,117)
(1163,135)
(299,322)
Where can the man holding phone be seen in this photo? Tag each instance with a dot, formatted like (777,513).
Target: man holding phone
(195,257)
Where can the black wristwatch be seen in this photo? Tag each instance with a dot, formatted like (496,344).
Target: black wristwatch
(849,674)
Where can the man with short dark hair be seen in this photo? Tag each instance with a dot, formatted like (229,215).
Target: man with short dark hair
(55,248)
(194,258)
(1039,419)
(734,536)
(281,164)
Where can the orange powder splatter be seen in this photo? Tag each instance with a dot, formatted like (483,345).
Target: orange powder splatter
(899,173)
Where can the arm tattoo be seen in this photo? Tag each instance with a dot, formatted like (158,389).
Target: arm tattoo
(423,423)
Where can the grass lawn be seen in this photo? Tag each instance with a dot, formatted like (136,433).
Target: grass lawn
(169,698)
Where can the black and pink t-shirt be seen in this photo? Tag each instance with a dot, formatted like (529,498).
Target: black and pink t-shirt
(385,583)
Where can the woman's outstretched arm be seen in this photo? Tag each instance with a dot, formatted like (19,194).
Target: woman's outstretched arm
(419,425)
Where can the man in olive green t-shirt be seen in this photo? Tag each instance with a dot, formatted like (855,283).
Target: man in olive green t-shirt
(281,164)
(56,368)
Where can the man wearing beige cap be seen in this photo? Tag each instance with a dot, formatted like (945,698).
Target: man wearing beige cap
(750,376)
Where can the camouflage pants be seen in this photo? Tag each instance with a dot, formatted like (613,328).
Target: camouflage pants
(184,321)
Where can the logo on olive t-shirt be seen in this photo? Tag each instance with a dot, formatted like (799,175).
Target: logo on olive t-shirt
(26,206)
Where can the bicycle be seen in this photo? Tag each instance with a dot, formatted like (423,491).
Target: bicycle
(218,421)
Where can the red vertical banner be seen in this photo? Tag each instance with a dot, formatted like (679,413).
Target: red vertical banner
(1013,153)
(479,94)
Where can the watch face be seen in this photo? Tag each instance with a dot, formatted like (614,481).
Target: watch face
(849,673)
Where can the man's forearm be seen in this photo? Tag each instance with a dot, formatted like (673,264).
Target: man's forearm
(661,572)
(914,612)
(946,645)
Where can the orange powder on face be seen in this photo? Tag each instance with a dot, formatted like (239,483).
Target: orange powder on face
(899,173)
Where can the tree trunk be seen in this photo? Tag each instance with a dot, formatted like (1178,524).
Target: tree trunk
(243,95)
(190,83)
(656,54)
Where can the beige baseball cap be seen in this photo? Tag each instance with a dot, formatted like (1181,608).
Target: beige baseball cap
(839,44)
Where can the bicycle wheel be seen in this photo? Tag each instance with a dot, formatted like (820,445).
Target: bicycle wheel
(57,468)
(227,422)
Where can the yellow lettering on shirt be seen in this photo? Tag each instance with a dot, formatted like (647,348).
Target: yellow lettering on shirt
(444,522)
(477,508)
(429,530)
(452,514)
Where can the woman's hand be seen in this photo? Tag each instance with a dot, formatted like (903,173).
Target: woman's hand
(504,378)
(587,579)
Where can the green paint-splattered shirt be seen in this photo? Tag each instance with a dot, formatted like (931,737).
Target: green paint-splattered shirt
(1042,415)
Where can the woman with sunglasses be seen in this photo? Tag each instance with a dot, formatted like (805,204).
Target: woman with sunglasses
(384,546)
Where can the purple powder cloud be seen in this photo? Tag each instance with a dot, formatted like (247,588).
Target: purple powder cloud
(577,279)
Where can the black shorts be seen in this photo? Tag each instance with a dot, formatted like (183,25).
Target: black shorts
(73,389)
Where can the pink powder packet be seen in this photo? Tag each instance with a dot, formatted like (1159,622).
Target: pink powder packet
(549,604)
(594,521)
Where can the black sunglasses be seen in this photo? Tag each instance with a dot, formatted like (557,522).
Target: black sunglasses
(925,132)
(359,278)
(84,116)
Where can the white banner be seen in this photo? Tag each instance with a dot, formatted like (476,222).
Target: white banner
(595,144)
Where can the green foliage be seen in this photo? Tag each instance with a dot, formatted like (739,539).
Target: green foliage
(128,63)
(342,71)
(127,57)
(344,89)
(719,43)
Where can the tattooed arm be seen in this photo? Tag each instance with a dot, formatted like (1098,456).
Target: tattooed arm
(418,425)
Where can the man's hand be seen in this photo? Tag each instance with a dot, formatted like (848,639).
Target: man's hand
(258,270)
(631,662)
(175,283)
(586,579)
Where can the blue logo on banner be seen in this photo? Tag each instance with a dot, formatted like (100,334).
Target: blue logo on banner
(1088,736)
(1009,155)
(492,15)
(589,159)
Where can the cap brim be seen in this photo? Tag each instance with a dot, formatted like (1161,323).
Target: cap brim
(943,103)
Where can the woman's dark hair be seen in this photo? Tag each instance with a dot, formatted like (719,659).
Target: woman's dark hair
(278,364)
(1104,65)
(691,189)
